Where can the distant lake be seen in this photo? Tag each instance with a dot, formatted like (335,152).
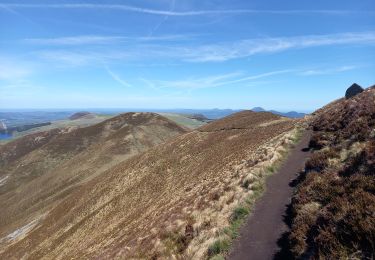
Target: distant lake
(5,136)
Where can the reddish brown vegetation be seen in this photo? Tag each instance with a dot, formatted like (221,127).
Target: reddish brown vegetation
(333,209)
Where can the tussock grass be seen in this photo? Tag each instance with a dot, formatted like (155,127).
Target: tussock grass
(222,244)
(219,246)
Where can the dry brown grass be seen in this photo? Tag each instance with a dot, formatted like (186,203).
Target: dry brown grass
(169,202)
(248,188)
(57,162)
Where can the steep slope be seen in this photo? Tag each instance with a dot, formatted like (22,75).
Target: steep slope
(170,200)
(333,208)
(39,170)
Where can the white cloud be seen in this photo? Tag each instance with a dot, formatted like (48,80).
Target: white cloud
(78,40)
(165,18)
(195,83)
(250,47)
(211,81)
(189,52)
(327,71)
(237,77)
(62,58)
(12,70)
(128,8)
(117,78)
(98,39)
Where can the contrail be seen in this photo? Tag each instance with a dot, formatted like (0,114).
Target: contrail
(164,19)
(117,78)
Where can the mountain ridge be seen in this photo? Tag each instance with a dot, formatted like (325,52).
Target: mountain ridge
(60,161)
(135,208)
(290,114)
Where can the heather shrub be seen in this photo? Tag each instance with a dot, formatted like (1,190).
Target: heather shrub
(333,207)
(317,141)
(362,163)
(346,226)
(319,160)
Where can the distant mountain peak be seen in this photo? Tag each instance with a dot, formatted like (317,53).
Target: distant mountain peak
(81,115)
(258,109)
(291,114)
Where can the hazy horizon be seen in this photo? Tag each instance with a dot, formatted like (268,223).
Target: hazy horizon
(134,109)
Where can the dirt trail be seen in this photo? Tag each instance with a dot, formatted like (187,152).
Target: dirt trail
(259,238)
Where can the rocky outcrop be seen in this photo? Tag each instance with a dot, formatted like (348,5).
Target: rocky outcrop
(354,90)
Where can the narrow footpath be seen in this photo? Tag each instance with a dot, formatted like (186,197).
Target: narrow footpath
(259,237)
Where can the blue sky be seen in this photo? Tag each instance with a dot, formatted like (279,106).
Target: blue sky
(284,55)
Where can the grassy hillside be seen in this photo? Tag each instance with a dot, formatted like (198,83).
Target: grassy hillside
(183,120)
(62,123)
(333,208)
(38,171)
(172,200)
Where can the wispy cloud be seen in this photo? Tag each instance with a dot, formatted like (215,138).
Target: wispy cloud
(192,52)
(117,78)
(99,39)
(165,18)
(78,40)
(61,58)
(12,70)
(195,83)
(10,10)
(327,71)
(129,8)
(250,47)
(238,78)
(211,81)
(15,80)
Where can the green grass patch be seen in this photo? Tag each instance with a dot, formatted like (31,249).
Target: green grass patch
(239,213)
(219,247)
(217,257)
(298,136)
(271,169)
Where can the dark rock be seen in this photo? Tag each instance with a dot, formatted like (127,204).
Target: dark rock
(354,90)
